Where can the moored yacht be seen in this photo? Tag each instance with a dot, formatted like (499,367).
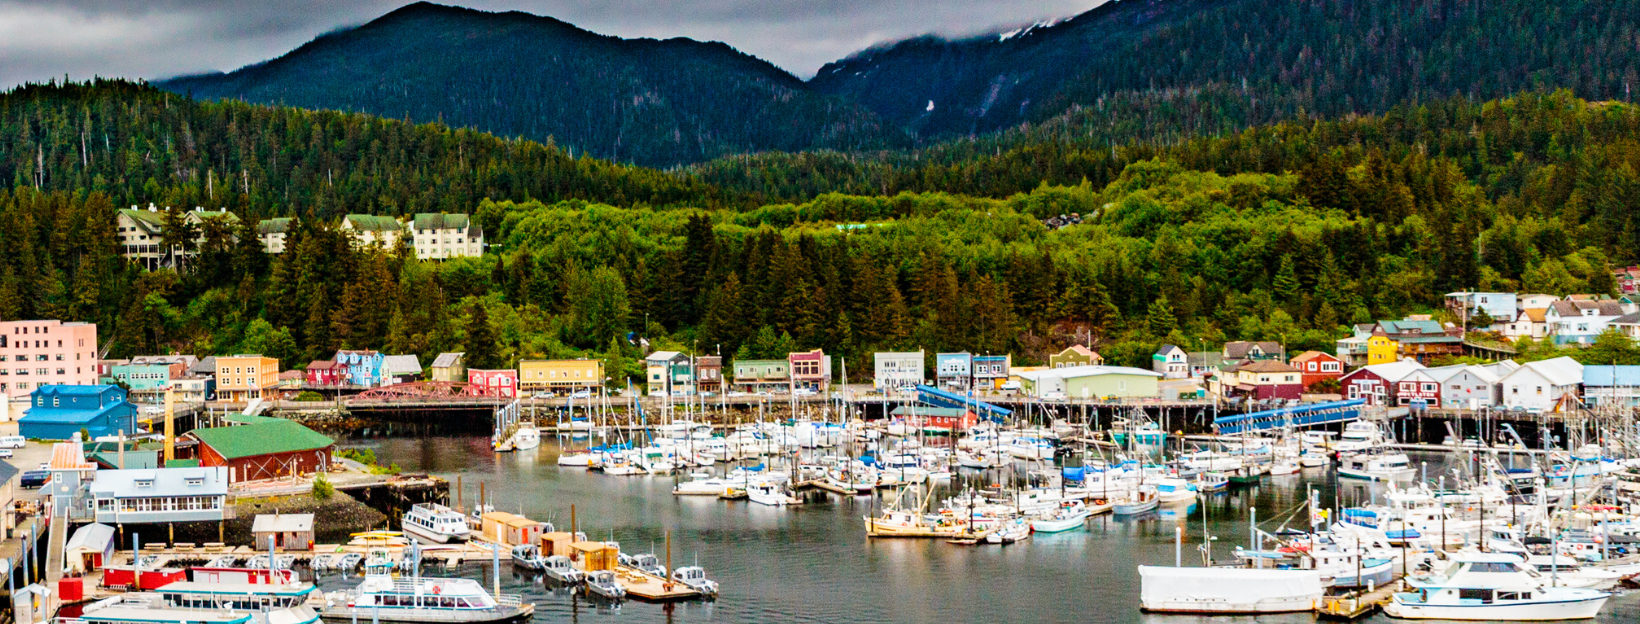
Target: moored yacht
(435,522)
(1482,586)
(1377,467)
(382,598)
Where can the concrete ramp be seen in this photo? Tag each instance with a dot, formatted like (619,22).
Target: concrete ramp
(255,407)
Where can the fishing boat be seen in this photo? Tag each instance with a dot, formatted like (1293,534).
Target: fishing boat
(1145,433)
(647,563)
(1174,491)
(1070,515)
(602,583)
(1377,467)
(1284,467)
(769,494)
(559,568)
(1212,481)
(1244,476)
(1359,436)
(1135,502)
(695,578)
(382,598)
(1491,586)
(435,522)
(528,556)
(1009,532)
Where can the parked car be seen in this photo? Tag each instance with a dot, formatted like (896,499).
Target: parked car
(1053,396)
(543,395)
(5,453)
(34,479)
(581,394)
(804,392)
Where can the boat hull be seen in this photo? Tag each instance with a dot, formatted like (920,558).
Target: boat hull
(429,536)
(504,615)
(1582,609)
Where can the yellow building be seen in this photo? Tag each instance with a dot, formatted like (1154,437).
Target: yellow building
(242,377)
(1382,350)
(560,375)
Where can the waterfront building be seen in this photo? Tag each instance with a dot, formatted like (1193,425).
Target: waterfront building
(1579,321)
(400,369)
(811,370)
(159,495)
(1540,386)
(1498,306)
(1075,355)
(364,367)
(1171,361)
(668,374)
(244,377)
(273,232)
(35,354)
(284,531)
(1419,339)
(1206,364)
(709,373)
(439,236)
(326,374)
(1460,386)
(560,376)
(1260,380)
(897,369)
(60,412)
(1316,366)
(762,375)
(259,447)
(954,371)
(991,371)
(149,376)
(450,367)
(500,383)
(91,547)
(369,230)
(291,379)
(193,388)
(1611,385)
(1376,383)
(1091,382)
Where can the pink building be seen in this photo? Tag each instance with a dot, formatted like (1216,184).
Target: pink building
(46,353)
(501,383)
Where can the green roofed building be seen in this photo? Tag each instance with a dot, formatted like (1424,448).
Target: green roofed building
(437,236)
(373,230)
(273,233)
(259,447)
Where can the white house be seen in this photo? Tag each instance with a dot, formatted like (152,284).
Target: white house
(1578,322)
(160,495)
(1628,325)
(1500,306)
(1530,323)
(1526,302)
(1609,385)
(1171,361)
(898,369)
(1466,386)
(1539,386)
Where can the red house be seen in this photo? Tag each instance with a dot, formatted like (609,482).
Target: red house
(1378,384)
(1316,366)
(500,383)
(326,374)
(1418,385)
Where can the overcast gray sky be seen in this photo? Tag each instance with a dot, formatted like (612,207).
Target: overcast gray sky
(42,39)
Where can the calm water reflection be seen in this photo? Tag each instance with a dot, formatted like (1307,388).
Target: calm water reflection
(813,563)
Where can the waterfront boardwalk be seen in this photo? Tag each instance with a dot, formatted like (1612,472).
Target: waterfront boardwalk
(1356,605)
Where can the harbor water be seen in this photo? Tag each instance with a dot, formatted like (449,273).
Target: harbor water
(814,563)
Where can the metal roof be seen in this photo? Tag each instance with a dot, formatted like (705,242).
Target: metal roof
(1606,376)
(282,523)
(262,438)
(447,360)
(438,221)
(373,223)
(94,537)
(401,365)
(164,482)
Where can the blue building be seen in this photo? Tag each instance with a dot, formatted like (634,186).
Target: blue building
(59,412)
(364,368)
(954,371)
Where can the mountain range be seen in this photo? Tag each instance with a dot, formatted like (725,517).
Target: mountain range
(678,101)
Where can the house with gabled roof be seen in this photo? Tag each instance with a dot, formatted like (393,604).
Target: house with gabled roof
(1245,351)
(450,367)
(437,236)
(1421,339)
(273,232)
(1075,355)
(1377,383)
(1316,366)
(1260,380)
(400,369)
(1171,361)
(1579,321)
(141,231)
(1530,323)
(1540,386)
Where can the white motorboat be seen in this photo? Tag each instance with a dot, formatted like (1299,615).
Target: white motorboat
(695,578)
(1377,467)
(1135,502)
(575,459)
(528,556)
(603,583)
(1563,571)
(769,494)
(1031,448)
(1284,467)
(561,569)
(1227,590)
(704,485)
(526,437)
(1359,436)
(1174,491)
(1009,532)
(1070,515)
(1492,586)
(435,522)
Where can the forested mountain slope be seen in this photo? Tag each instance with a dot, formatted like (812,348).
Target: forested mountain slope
(643,101)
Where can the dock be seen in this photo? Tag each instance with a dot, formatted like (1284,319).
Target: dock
(645,586)
(1356,605)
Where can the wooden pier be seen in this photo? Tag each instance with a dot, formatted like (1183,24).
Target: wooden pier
(645,586)
(1356,605)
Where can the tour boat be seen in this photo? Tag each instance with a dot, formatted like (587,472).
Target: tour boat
(1135,502)
(1492,586)
(1359,436)
(141,609)
(1377,467)
(602,583)
(435,522)
(559,568)
(382,598)
(1069,515)
(526,437)
(1227,591)
(528,556)
(695,578)
(769,494)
